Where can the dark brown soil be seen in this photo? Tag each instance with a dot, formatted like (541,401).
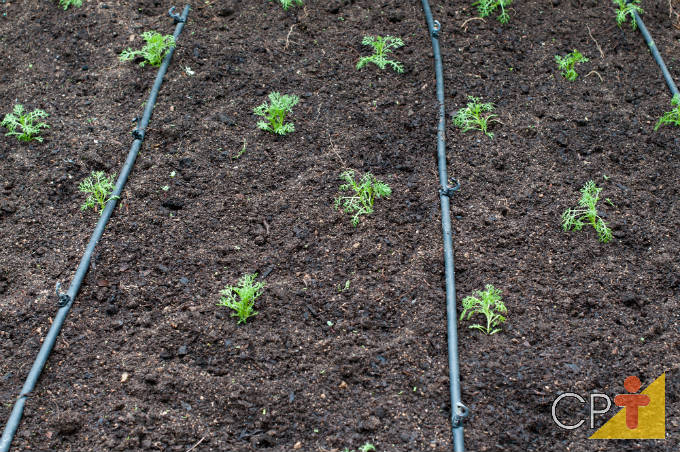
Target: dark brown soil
(147,361)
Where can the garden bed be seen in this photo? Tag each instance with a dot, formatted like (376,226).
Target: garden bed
(147,361)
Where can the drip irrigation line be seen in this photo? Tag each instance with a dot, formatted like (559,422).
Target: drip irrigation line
(655,53)
(458,411)
(66,299)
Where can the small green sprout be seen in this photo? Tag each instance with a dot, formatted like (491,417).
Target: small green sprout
(366,190)
(472,117)
(242,298)
(575,219)
(381,47)
(241,151)
(99,188)
(288,3)
(157,46)
(487,302)
(487,7)
(275,113)
(671,117)
(24,122)
(566,64)
(342,288)
(368,447)
(66,3)
(626,8)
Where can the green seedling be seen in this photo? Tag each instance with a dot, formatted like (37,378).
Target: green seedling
(241,151)
(288,3)
(487,7)
(342,288)
(23,125)
(671,117)
(99,188)
(365,191)
(381,47)
(626,9)
(476,116)
(566,64)
(157,46)
(242,297)
(368,447)
(575,219)
(488,303)
(275,113)
(66,3)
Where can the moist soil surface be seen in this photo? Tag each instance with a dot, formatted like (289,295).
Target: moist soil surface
(349,343)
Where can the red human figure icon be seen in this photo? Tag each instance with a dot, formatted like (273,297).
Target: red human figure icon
(632,401)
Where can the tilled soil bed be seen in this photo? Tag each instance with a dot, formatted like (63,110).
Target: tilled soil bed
(147,361)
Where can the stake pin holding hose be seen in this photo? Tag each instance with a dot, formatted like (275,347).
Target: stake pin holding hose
(63,297)
(436,27)
(453,186)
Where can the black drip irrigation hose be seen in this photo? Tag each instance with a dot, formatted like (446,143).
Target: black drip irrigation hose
(458,411)
(655,53)
(66,299)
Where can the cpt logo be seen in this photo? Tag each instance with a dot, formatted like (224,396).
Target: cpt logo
(642,416)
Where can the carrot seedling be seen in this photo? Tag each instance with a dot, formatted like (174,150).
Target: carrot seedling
(626,10)
(288,3)
(487,303)
(475,116)
(241,298)
(566,64)
(22,125)
(275,113)
(365,191)
(98,187)
(487,7)
(671,117)
(381,47)
(575,219)
(157,46)
(66,3)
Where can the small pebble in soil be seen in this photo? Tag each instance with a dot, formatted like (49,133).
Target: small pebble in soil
(166,354)
(184,280)
(405,437)
(182,351)
(67,423)
(490,219)
(226,119)
(173,203)
(370,424)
